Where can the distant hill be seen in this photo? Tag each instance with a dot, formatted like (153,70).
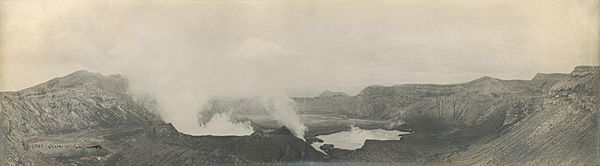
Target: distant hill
(81,100)
(488,121)
(330,94)
(551,119)
(90,109)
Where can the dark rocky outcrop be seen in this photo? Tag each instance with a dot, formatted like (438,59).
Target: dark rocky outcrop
(173,148)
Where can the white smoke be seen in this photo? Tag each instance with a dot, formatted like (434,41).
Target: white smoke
(222,125)
(186,53)
(169,56)
(283,109)
(184,83)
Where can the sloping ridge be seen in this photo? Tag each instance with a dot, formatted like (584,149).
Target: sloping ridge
(77,101)
(331,94)
(403,102)
(441,105)
(564,131)
(551,119)
(92,109)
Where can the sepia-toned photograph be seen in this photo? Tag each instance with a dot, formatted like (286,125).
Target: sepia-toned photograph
(307,82)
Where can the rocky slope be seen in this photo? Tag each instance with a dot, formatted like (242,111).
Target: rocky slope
(490,121)
(551,119)
(331,94)
(564,130)
(79,101)
(90,119)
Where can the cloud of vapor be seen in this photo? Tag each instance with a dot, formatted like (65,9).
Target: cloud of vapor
(182,87)
(185,53)
(283,110)
(222,125)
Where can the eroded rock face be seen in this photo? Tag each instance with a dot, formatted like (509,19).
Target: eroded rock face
(550,119)
(86,109)
(563,131)
(331,94)
(464,122)
(484,105)
(582,71)
(76,102)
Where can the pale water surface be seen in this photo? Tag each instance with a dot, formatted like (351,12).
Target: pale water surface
(356,137)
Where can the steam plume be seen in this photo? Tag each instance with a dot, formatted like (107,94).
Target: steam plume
(222,125)
(283,110)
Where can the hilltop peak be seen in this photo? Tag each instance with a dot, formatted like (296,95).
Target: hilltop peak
(90,75)
(484,78)
(585,70)
(85,79)
(328,93)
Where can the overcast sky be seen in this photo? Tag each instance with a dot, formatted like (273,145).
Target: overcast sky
(300,48)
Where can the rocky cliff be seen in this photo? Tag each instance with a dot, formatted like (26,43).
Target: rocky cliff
(563,130)
(89,119)
(78,101)
(551,119)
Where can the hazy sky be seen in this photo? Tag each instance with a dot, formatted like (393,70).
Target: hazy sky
(299,48)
